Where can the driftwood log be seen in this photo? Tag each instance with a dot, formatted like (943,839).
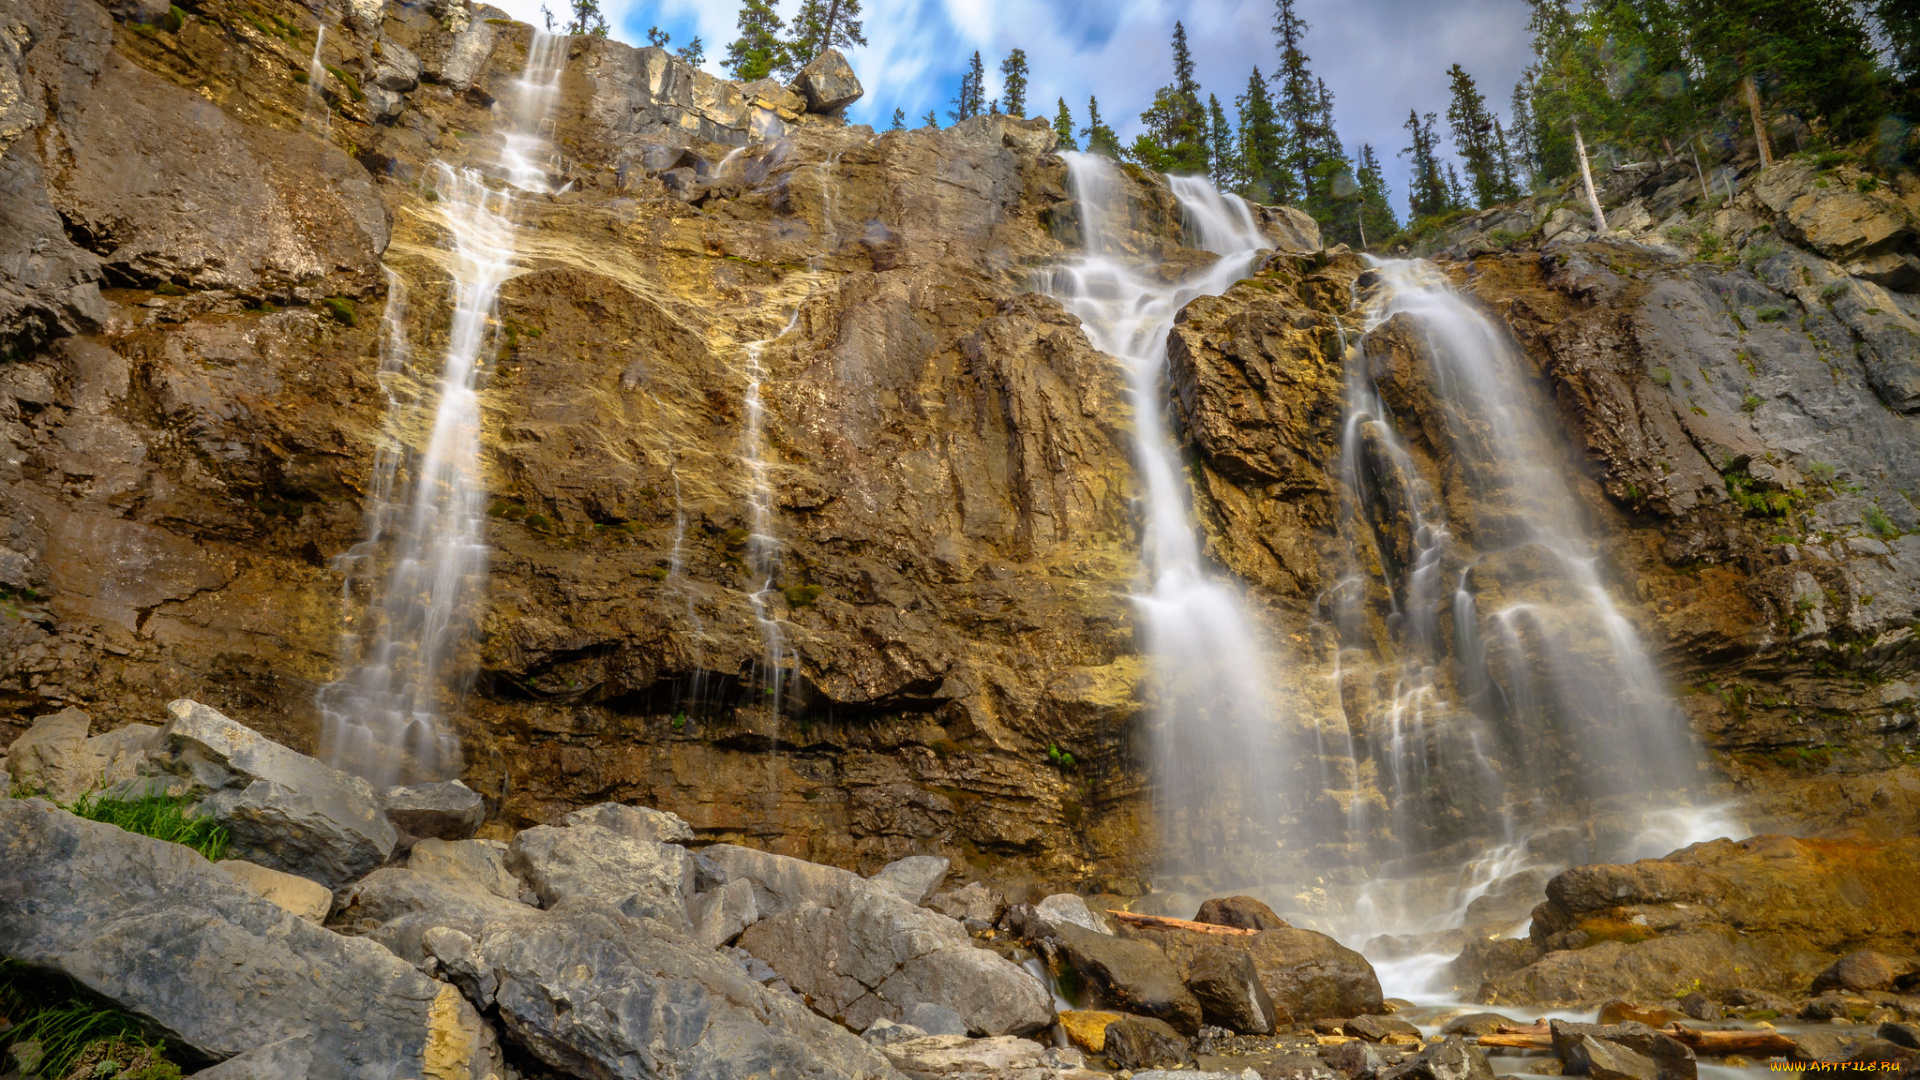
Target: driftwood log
(1709,1043)
(1161,922)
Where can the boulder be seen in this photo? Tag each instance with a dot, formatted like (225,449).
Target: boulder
(1481,1023)
(914,877)
(1356,1059)
(1087,1028)
(961,1058)
(1620,1012)
(1448,1059)
(859,952)
(163,933)
(634,822)
(1142,1042)
(1608,1061)
(594,993)
(1699,1006)
(124,753)
(448,810)
(1907,1035)
(828,83)
(396,69)
(1133,976)
(1243,912)
(721,913)
(1227,985)
(936,1019)
(1382,1029)
(974,902)
(53,758)
(641,878)
(1830,1046)
(1674,1059)
(295,895)
(1293,1065)
(283,809)
(1066,908)
(282,1059)
(1307,974)
(1861,971)
(479,864)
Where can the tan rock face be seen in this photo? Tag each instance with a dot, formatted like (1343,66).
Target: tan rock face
(296,895)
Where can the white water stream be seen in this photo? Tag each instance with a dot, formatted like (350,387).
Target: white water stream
(387,718)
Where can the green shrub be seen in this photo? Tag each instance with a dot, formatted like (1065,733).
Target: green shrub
(1770,314)
(1876,520)
(1822,472)
(802,595)
(163,817)
(1866,184)
(1750,403)
(1833,291)
(342,309)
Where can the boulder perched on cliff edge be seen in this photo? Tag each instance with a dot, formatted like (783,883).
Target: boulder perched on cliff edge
(161,932)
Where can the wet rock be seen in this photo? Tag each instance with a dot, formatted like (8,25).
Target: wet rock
(462,59)
(473,864)
(1674,1059)
(1066,908)
(1619,1012)
(634,822)
(1087,1028)
(1295,1065)
(1483,1023)
(53,758)
(297,896)
(1144,1042)
(1448,1059)
(639,878)
(1861,971)
(1907,1035)
(1228,988)
(1833,1006)
(935,1019)
(914,877)
(719,914)
(828,83)
(1698,1006)
(1243,912)
(1481,960)
(212,965)
(859,952)
(448,810)
(1355,1059)
(283,810)
(1825,1045)
(973,902)
(1132,976)
(1381,1029)
(283,1059)
(1607,1061)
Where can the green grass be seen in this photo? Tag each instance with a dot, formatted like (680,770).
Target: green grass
(1876,520)
(74,1028)
(159,816)
(342,309)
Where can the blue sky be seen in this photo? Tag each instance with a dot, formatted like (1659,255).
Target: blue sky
(1379,57)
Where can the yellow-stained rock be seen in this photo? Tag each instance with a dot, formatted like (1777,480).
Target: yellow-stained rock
(294,894)
(1087,1028)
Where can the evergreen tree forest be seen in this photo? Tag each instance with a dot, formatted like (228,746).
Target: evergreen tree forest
(1700,81)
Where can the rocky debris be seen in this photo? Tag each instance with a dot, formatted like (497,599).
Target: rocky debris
(1243,912)
(282,809)
(1864,970)
(883,1032)
(956,1057)
(634,822)
(640,878)
(297,896)
(1131,976)
(1144,1042)
(1673,1059)
(914,878)
(473,864)
(1227,985)
(859,952)
(1087,1028)
(53,757)
(447,810)
(1447,1059)
(213,966)
(1382,1029)
(1776,909)
(976,904)
(828,83)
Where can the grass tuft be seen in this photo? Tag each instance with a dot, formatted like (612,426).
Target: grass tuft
(77,1034)
(162,817)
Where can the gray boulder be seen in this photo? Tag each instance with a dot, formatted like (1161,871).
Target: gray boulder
(914,877)
(448,810)
(1449,1059)
(1380,1029)
(935,1019)
(159,931)
(974,902)
(480,864)
(596,994)
(1132,976)
(1609,1061)
(1674,1059)
(284,1059)
(1141,1042)
(1068,908)
(721,913)
(53,758)
(284,810)
(634,822)
(1228,988)
(828,83)
(860,952)
(639,877)
(961,1058)
(396,68)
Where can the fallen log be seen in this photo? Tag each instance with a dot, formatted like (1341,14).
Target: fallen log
(1519,1040)
(1162,922)
(1724,1043)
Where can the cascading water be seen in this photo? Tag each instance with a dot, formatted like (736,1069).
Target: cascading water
(1214,720)
(763,547)
(317,119)
(387,718)
(1517,700)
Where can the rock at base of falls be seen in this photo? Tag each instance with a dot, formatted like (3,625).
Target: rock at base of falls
(445,810)
(1142,1042)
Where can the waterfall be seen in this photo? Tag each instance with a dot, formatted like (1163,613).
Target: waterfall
(1517,697)
(1213,723)
(387,718)
(316,94)
(763,547)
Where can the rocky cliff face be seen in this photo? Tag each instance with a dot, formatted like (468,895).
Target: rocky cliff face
(225,291)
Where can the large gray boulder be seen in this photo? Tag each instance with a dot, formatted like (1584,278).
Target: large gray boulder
(446,810)
(914,877)
(53,758)
(478,864)
(283,809)
(828,83)
(641,878)
(634,822)
(162,933)
(285,1059)
(860,952)
(1132,976)
(597,994)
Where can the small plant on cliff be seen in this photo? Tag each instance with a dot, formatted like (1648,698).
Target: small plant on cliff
(1821,472)
(1770,314)
(159,816)
(1876,520)
(799,596)
(1060,757)
(1750,403)
(74,1032)
(1662,376)
(342,309)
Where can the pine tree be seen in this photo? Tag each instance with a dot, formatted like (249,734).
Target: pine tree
(1520,137)
(1013,81)
(1330,187)
(1473,137)
(1099,137)
(1377,220)
(1503,154)
(587,19)
(1263,148)
(1427,188)
(931,120)
(1298,104)
(1183,79)
(1063,128)
(1176,137)
(899,120)
(1456,195)
(657,37)
(758,51)
(1226,168)
(970,101)
(823,25)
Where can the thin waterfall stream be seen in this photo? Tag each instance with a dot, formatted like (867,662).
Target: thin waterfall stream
(387,719)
